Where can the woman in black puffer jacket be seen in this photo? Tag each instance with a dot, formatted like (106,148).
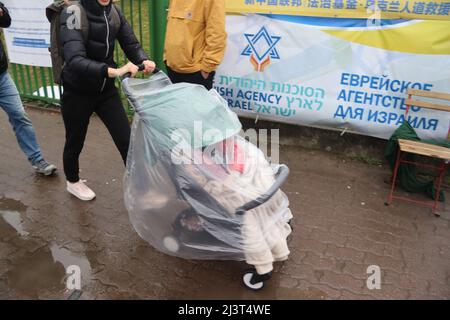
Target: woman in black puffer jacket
(88,81)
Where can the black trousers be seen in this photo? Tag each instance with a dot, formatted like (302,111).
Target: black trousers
(195,78)
(76,112)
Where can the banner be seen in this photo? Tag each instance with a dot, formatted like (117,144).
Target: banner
(335,73)
(28,37)
(385,9)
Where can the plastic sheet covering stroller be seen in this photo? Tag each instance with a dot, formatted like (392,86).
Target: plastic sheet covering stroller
(194,188)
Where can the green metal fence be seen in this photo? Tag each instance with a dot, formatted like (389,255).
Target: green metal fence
(148,19)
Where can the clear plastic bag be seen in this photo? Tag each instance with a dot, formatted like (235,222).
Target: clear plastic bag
(193,187)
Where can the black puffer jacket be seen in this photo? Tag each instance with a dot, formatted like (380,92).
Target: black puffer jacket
(5,22)
(86,64)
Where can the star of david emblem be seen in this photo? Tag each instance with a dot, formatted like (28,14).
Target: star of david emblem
(261,48)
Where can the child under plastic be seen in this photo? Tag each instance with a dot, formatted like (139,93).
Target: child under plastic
(239,172)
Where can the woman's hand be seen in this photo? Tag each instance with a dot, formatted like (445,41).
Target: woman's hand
(128,68)
(149,66)
(113,73)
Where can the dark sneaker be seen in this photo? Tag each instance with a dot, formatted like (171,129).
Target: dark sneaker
(44,168)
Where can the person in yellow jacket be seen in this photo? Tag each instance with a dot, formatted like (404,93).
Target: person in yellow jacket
(195,40)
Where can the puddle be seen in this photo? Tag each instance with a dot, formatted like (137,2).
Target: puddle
(11,214)
(35,274)
(67,258)
(43,273)
(14,219)
(12,205)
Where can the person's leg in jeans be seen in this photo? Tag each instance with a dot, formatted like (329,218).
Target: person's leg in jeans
(26,137)
(111,111)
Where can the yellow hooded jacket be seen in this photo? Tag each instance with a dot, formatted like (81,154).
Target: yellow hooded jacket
(195,36)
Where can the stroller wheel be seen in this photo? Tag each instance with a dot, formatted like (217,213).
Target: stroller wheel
(253,281)
(171,243)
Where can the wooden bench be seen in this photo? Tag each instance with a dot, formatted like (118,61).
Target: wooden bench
(423,148)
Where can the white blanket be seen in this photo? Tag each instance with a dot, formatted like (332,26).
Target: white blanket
(265,228)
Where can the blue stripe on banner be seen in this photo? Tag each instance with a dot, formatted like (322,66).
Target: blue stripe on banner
(31,43)
(331,22)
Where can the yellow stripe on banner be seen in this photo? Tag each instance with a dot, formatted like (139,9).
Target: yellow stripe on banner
(384,9)
(425,37)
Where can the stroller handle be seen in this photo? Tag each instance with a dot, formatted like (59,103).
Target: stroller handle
(281,176)
(141,68)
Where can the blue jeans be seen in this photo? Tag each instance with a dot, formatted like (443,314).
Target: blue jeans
(11,103)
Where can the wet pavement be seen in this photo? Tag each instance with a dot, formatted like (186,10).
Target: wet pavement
(341,227)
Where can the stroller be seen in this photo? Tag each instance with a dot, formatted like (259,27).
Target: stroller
(194,188)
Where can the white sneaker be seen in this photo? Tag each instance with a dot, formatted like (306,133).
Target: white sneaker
(80,190)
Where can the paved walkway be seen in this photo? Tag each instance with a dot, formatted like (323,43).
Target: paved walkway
(341,228)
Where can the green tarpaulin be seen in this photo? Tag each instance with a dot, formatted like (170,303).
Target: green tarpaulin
(408,177)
